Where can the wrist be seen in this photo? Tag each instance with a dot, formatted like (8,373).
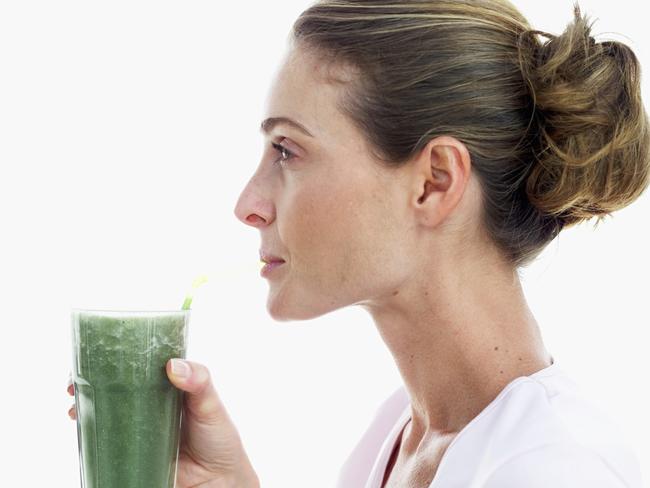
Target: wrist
(251,481)
(241,480)
(245,478)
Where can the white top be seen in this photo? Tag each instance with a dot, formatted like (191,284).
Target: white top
(539,432)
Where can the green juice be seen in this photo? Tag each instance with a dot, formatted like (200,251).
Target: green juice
(128,413)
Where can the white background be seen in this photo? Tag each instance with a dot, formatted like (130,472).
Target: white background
(127,131)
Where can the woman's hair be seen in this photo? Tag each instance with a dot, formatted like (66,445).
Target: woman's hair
(556,130)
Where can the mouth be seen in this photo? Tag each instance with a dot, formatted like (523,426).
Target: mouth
(271,261)
(269,268)
(270,258)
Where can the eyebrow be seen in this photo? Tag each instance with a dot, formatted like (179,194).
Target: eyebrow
(267,125)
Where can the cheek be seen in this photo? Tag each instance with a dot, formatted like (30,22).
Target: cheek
(336,235)
(315,219)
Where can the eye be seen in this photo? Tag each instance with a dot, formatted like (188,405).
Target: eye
(285,154)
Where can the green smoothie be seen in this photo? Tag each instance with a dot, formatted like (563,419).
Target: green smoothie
(128,413)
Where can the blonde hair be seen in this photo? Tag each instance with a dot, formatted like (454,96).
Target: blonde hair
(556,130)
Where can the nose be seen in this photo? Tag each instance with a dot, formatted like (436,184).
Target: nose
(253,207)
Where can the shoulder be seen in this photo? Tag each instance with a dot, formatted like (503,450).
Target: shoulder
(548,432)
(560,465)
(552,410)
(358,465)
(393,406)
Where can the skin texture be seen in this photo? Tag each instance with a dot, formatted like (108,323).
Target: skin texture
(405,244)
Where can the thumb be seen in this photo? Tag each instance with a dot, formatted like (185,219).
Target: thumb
(201,399)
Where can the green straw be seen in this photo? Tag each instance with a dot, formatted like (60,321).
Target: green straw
(195,284)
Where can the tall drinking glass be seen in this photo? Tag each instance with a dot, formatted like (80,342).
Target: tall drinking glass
(128,413)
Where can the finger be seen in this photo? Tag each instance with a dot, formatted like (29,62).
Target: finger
(70,384)
(73,412)
(202,401)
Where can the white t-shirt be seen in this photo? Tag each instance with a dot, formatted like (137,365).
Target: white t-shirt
(539,432)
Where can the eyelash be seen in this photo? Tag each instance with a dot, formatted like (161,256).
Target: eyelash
(280,148)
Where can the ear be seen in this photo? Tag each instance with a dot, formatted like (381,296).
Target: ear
(442,170)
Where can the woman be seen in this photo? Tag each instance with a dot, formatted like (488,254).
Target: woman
(418,154)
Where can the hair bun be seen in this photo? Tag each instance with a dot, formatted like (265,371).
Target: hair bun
(592,148)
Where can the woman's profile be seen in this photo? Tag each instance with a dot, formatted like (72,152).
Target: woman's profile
(418,154)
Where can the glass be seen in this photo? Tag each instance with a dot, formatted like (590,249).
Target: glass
(128,412)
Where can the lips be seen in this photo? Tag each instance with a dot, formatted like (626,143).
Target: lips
(269,258)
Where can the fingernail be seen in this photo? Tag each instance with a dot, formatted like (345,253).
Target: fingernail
(181,368)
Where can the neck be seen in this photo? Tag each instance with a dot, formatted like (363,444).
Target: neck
(457,343)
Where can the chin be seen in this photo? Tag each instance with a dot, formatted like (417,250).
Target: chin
(282,311)
(285,314)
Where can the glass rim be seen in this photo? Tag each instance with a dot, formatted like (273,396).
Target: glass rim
(133,312)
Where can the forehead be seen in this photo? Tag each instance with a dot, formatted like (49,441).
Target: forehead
(302,91)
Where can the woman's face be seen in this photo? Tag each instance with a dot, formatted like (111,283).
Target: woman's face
(323,204)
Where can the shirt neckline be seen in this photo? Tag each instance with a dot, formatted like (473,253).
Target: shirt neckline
(405,417)
(550,370)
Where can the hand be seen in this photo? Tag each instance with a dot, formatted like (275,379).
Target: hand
(211,453)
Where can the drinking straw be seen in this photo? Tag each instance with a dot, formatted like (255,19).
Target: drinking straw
(195,284)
